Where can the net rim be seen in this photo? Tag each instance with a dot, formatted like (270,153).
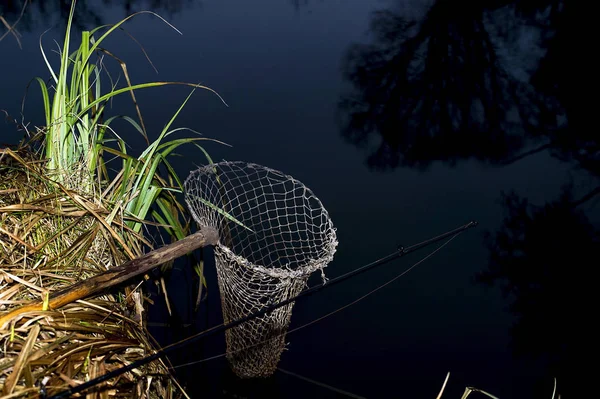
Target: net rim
(282,272)
(328,248)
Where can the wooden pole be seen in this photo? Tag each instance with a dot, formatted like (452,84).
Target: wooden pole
(85,288)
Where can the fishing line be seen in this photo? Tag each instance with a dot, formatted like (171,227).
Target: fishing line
(322,384)
(327,314)
(401,251)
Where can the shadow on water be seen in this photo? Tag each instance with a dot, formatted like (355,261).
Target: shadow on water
(495,83)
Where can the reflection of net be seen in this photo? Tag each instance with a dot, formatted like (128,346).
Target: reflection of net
(286,236)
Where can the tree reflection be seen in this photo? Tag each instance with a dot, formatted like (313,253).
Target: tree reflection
(542,257)
(297,4)
(88,13)
(453,85)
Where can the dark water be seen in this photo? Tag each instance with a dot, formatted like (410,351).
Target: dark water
(406,119)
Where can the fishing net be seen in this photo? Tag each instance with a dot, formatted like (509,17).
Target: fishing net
(280,236)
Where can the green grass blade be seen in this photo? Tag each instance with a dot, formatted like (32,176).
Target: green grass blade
(45,98)
(210,161)
(222,212)
(54,77)
(116,92)
(170,218)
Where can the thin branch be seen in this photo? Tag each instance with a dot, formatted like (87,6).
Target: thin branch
(586,197)
(526,154)
(11,28)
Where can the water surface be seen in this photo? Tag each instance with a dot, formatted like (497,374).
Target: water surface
(406,119)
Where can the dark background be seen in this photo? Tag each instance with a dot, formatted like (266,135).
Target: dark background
(407,119)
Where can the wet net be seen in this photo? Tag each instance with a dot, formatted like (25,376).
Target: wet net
(280,236)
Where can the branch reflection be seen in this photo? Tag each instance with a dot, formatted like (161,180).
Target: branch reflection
(452,85)
(88,14)
(542,257)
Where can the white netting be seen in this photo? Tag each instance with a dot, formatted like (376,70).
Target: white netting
(286,236)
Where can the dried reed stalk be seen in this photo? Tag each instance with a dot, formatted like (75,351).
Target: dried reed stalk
(51,238)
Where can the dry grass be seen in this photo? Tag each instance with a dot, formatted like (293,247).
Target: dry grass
(64,218)
(51,237)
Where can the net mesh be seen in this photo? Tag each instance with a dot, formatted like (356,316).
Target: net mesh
(282,235)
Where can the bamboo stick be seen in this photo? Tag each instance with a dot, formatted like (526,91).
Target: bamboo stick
(100,282)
